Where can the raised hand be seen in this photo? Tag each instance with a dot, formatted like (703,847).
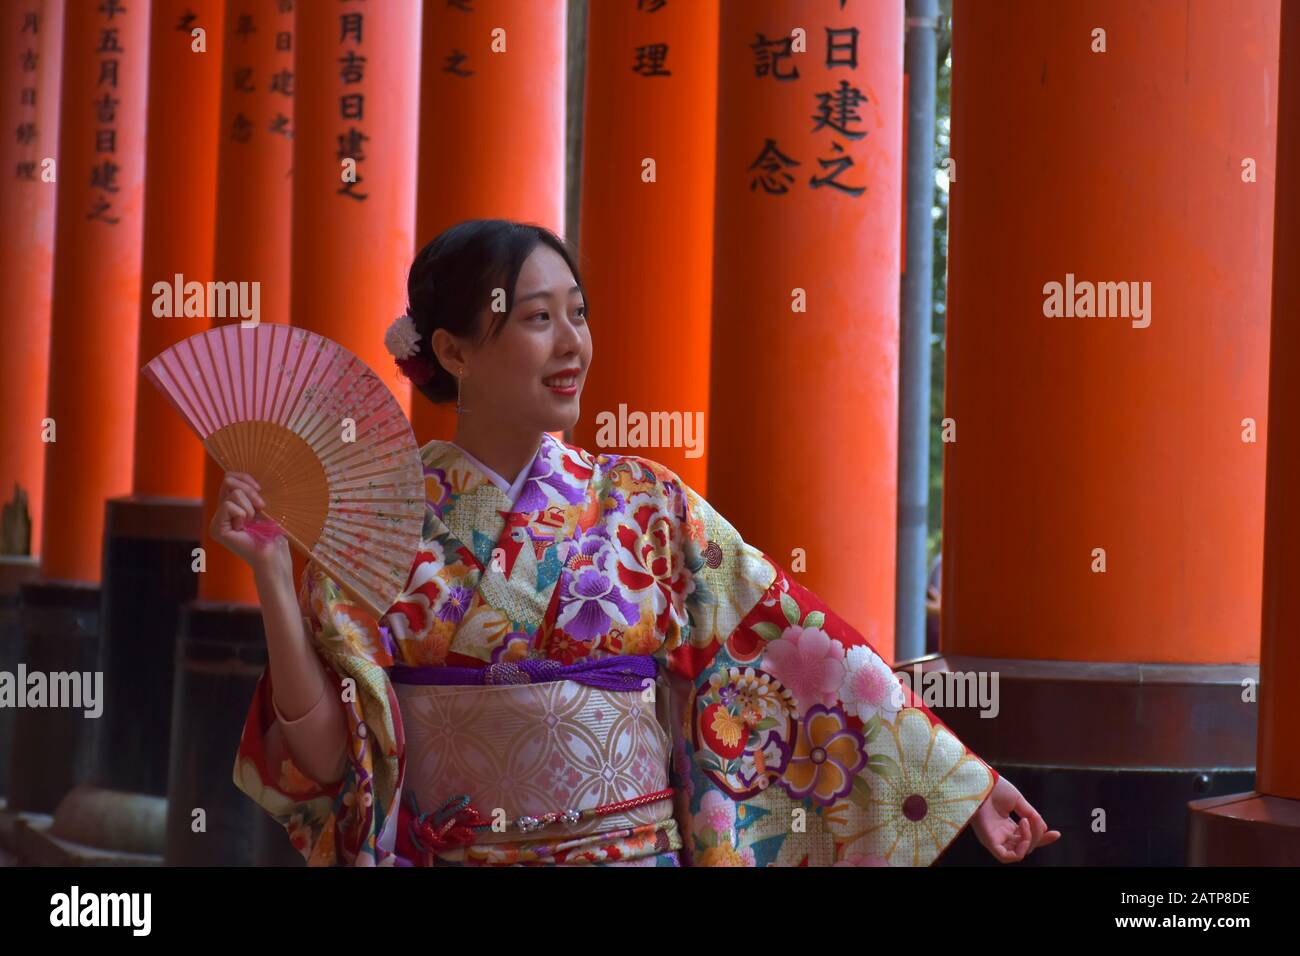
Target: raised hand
(235,527)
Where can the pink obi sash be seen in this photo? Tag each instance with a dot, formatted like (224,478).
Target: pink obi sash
(505,760)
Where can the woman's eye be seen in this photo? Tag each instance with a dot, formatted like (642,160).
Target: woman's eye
(540,315)
(582,311)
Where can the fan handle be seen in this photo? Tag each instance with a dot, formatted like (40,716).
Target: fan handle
(311,559)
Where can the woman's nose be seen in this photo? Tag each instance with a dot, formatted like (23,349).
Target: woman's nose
(570,337)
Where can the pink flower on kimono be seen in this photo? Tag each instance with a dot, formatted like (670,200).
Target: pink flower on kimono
(563,777)
(862,861)
(870,687)
(643,764)
(717,812)
(809,663)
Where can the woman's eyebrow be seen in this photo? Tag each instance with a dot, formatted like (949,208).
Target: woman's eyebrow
(543,293)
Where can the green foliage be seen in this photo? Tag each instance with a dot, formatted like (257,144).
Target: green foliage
(942,117)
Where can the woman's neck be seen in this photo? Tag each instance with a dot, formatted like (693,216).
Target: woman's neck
(506,451)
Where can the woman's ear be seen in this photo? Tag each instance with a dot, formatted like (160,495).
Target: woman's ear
(448,351)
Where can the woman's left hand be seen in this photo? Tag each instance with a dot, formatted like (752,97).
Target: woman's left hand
(1008,840)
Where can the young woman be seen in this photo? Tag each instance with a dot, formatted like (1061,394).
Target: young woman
(588,664)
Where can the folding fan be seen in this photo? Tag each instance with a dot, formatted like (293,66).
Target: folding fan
(336,460)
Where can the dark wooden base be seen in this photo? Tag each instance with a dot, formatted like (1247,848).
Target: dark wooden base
(1243,829)
(1145,814)
(148,576)
(219,658)
(15,571)
(1109,754)
(53,747)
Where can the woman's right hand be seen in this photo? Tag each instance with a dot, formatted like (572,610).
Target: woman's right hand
(238,502)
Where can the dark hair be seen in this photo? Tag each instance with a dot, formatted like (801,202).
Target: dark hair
(452,280)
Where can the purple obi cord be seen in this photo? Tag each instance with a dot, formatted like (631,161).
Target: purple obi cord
(620,672)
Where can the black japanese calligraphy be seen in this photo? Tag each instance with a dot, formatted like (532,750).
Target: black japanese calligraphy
(772,165)
(650,60)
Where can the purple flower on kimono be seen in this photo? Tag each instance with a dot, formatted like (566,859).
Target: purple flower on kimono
(591,603)
(615,501)
(514,647)
(390,645)
(455,605)
(590,545)
(757,768)
(827,755)
(544,474)
(590,548)
(437,490)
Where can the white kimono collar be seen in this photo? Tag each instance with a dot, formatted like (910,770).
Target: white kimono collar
(511,489)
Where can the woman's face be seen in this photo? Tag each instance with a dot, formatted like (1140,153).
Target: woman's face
(513,377)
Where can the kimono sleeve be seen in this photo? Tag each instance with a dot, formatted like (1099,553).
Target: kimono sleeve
(342,824)
(799,745)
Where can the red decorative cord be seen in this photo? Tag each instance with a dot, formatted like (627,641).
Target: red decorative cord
(458,823)
(631,804)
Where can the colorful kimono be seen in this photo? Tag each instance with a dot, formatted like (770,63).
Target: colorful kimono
(603,672)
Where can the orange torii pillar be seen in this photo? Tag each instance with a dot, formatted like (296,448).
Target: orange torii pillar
(29,115)
(1107,361)
(92,382)
(649,147)
(356,125)
(151,536)
(221,649)
(470,82)
(804,390)
(254,199)
(1262,827)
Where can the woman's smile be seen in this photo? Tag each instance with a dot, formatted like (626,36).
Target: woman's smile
(564,382)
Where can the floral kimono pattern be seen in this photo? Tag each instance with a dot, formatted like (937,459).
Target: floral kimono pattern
(794,743)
